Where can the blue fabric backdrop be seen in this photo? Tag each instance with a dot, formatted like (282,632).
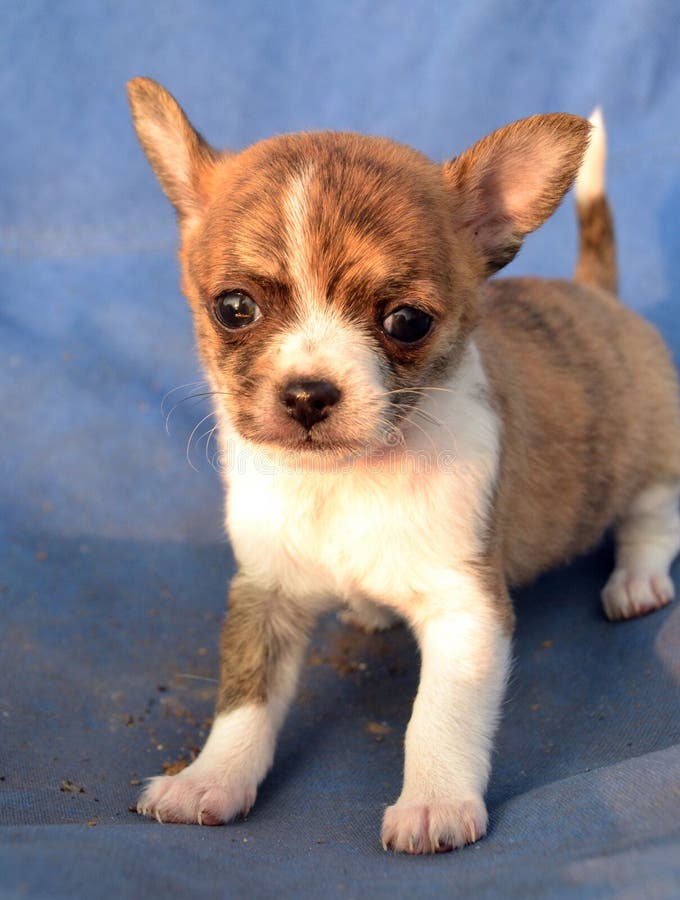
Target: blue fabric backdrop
(114,564)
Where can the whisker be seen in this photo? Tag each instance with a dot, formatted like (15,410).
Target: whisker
(427,435)
(180,387)
(423,431)
(203,436)
(428,417)
(443,425)
(195,429)
(391,428)
(424,413)
(409,390)
(177,405)
(418,411)
(197,396)
(194,677)
(434,388)
(214,462)
(423,388)
(208,459)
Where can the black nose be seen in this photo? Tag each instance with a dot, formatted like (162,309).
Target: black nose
(309,401)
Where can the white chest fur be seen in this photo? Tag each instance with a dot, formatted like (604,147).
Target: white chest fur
(388,528)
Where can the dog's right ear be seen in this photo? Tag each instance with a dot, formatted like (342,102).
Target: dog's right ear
(178,154)
(507,184)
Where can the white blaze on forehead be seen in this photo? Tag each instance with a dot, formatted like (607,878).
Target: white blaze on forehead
(360,248)
(321,343)
(298,238)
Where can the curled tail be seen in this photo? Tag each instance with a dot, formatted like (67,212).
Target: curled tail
(596,263)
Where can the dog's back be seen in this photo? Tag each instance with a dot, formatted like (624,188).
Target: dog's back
(590,393)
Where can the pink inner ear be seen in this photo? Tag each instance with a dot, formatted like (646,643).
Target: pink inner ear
(515,180)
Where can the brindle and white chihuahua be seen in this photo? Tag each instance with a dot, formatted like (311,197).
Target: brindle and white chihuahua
(411,438)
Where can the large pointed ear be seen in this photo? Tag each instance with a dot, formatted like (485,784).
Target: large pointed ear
(178,154)
(507,184)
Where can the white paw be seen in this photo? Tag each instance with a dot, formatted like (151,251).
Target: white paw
(192,799)
(628,594)
(433,827)
(222,782)
(368,617)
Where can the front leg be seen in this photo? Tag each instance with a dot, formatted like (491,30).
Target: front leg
(465,648)
(263,642)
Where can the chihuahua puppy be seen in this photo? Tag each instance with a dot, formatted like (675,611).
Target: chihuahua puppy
(404,438)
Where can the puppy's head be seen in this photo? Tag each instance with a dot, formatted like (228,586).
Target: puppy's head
(332,276)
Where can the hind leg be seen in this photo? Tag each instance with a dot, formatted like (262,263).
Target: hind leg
(647,542)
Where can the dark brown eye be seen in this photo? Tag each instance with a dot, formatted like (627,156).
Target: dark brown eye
(235,309)
(407,324)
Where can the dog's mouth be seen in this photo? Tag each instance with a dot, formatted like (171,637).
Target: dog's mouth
(324,442)
(311,445)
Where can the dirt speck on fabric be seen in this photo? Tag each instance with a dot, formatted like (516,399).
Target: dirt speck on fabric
(172,768)
(71,787)
(342,656)
(377,728)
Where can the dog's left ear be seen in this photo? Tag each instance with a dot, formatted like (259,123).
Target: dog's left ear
(178,154)
(507,184)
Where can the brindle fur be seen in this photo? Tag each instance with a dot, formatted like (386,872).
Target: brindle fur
(260,634)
